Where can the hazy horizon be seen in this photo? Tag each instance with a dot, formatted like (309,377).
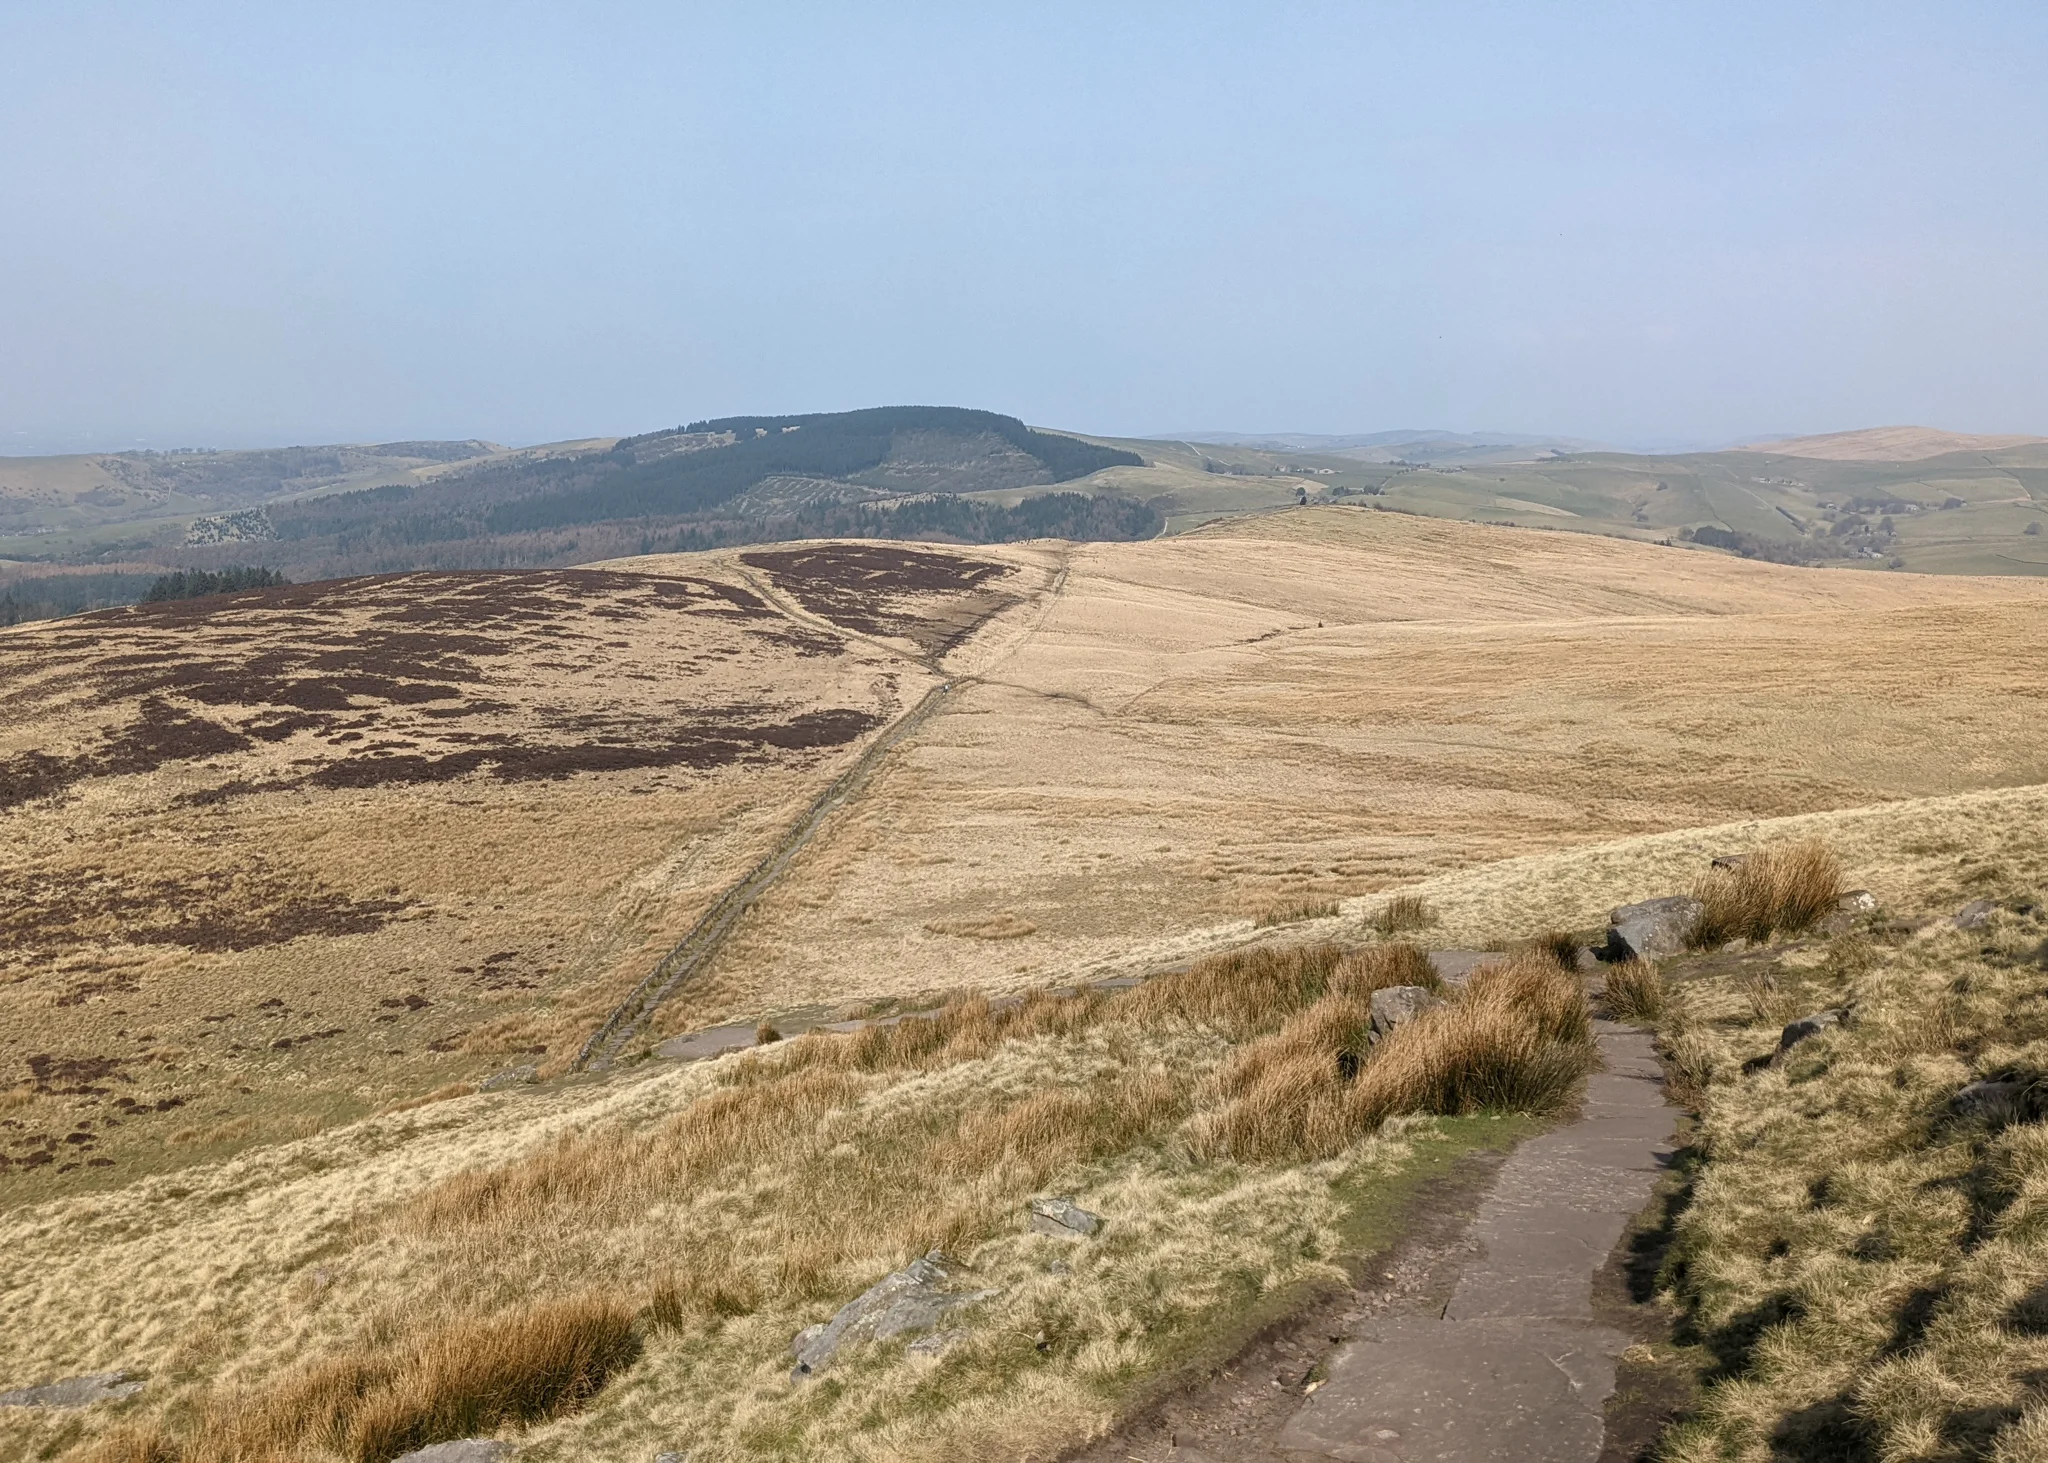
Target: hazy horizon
(229,226)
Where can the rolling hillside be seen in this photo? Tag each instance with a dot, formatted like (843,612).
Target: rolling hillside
(85,533)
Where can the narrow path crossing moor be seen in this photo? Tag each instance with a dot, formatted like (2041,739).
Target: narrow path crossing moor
(1515,1368)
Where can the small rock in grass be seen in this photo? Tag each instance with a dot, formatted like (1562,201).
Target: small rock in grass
(1975,915)
(900,1303)
(671,1457)
(1652,929)
(524,1076)
(462,1450)
(1730,861)
(1857,901)
(75,1391)
(1396,1005)
(1809,1026)
(1999,1100)
(1063,1219)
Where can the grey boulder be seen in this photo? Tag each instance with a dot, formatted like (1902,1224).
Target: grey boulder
(1652,929)
(1396,1005)
(461,1450)
(1975,915)
(904,1302)
(75,1391)
(1062,1218)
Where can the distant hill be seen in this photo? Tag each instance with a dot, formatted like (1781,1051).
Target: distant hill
(941,473)
(1411,445)
(1890,444)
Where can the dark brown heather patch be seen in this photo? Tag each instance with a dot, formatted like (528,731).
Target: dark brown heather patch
(162,733)
(238,909)
(715,743)
(853,584)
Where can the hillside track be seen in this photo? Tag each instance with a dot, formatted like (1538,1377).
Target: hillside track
(689,955)
(702,942)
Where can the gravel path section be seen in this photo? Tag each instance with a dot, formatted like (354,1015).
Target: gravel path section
(1515,1366)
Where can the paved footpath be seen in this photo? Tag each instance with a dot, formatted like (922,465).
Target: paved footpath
(1514,1369)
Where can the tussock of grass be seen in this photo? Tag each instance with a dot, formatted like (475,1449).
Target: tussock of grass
(1401,913)
(1560,945)
(1518,1037)
(374,1403)
(1242,994)
(1291,911)
(1635,993)
(1780,890)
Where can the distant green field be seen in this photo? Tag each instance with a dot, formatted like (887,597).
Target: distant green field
(1960,513)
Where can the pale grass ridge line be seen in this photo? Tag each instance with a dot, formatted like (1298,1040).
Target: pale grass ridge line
(709,932)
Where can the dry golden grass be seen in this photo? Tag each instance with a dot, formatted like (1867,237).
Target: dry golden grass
(1635,992)
(1293,911)
(1516,1038)
(1362,705)
(1861,1262)
(1402,913)
(459,1380)
(1782,889)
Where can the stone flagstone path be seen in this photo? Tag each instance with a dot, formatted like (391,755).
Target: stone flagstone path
(1515,1368)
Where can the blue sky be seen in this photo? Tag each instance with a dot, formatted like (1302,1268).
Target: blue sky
(1640,223)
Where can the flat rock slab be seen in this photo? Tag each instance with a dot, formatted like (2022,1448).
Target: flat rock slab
(1417,1390)
(713,1041)
(1514,1368)
(75,1391)
(461,1450)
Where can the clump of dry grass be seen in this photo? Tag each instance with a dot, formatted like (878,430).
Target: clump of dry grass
(1784,889)
(1518,1037)
(1291,911)
(1403,912)
(1242,994)
(1635,993)
(439,1094)
(372,1403)
(1560,945)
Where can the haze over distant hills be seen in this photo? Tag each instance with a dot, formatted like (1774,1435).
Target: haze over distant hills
(1404,445)
(1890,444)
(94,530)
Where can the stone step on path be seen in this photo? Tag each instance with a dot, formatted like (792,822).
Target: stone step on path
(1515,1369)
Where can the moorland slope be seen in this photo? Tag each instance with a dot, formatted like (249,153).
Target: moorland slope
(308,863)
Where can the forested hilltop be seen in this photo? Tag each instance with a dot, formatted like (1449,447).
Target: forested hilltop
(915,472)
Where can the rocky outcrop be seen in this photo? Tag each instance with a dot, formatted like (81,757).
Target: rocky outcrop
(1062,1218)
(75,1391)
(1652,929)
(905,1302)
